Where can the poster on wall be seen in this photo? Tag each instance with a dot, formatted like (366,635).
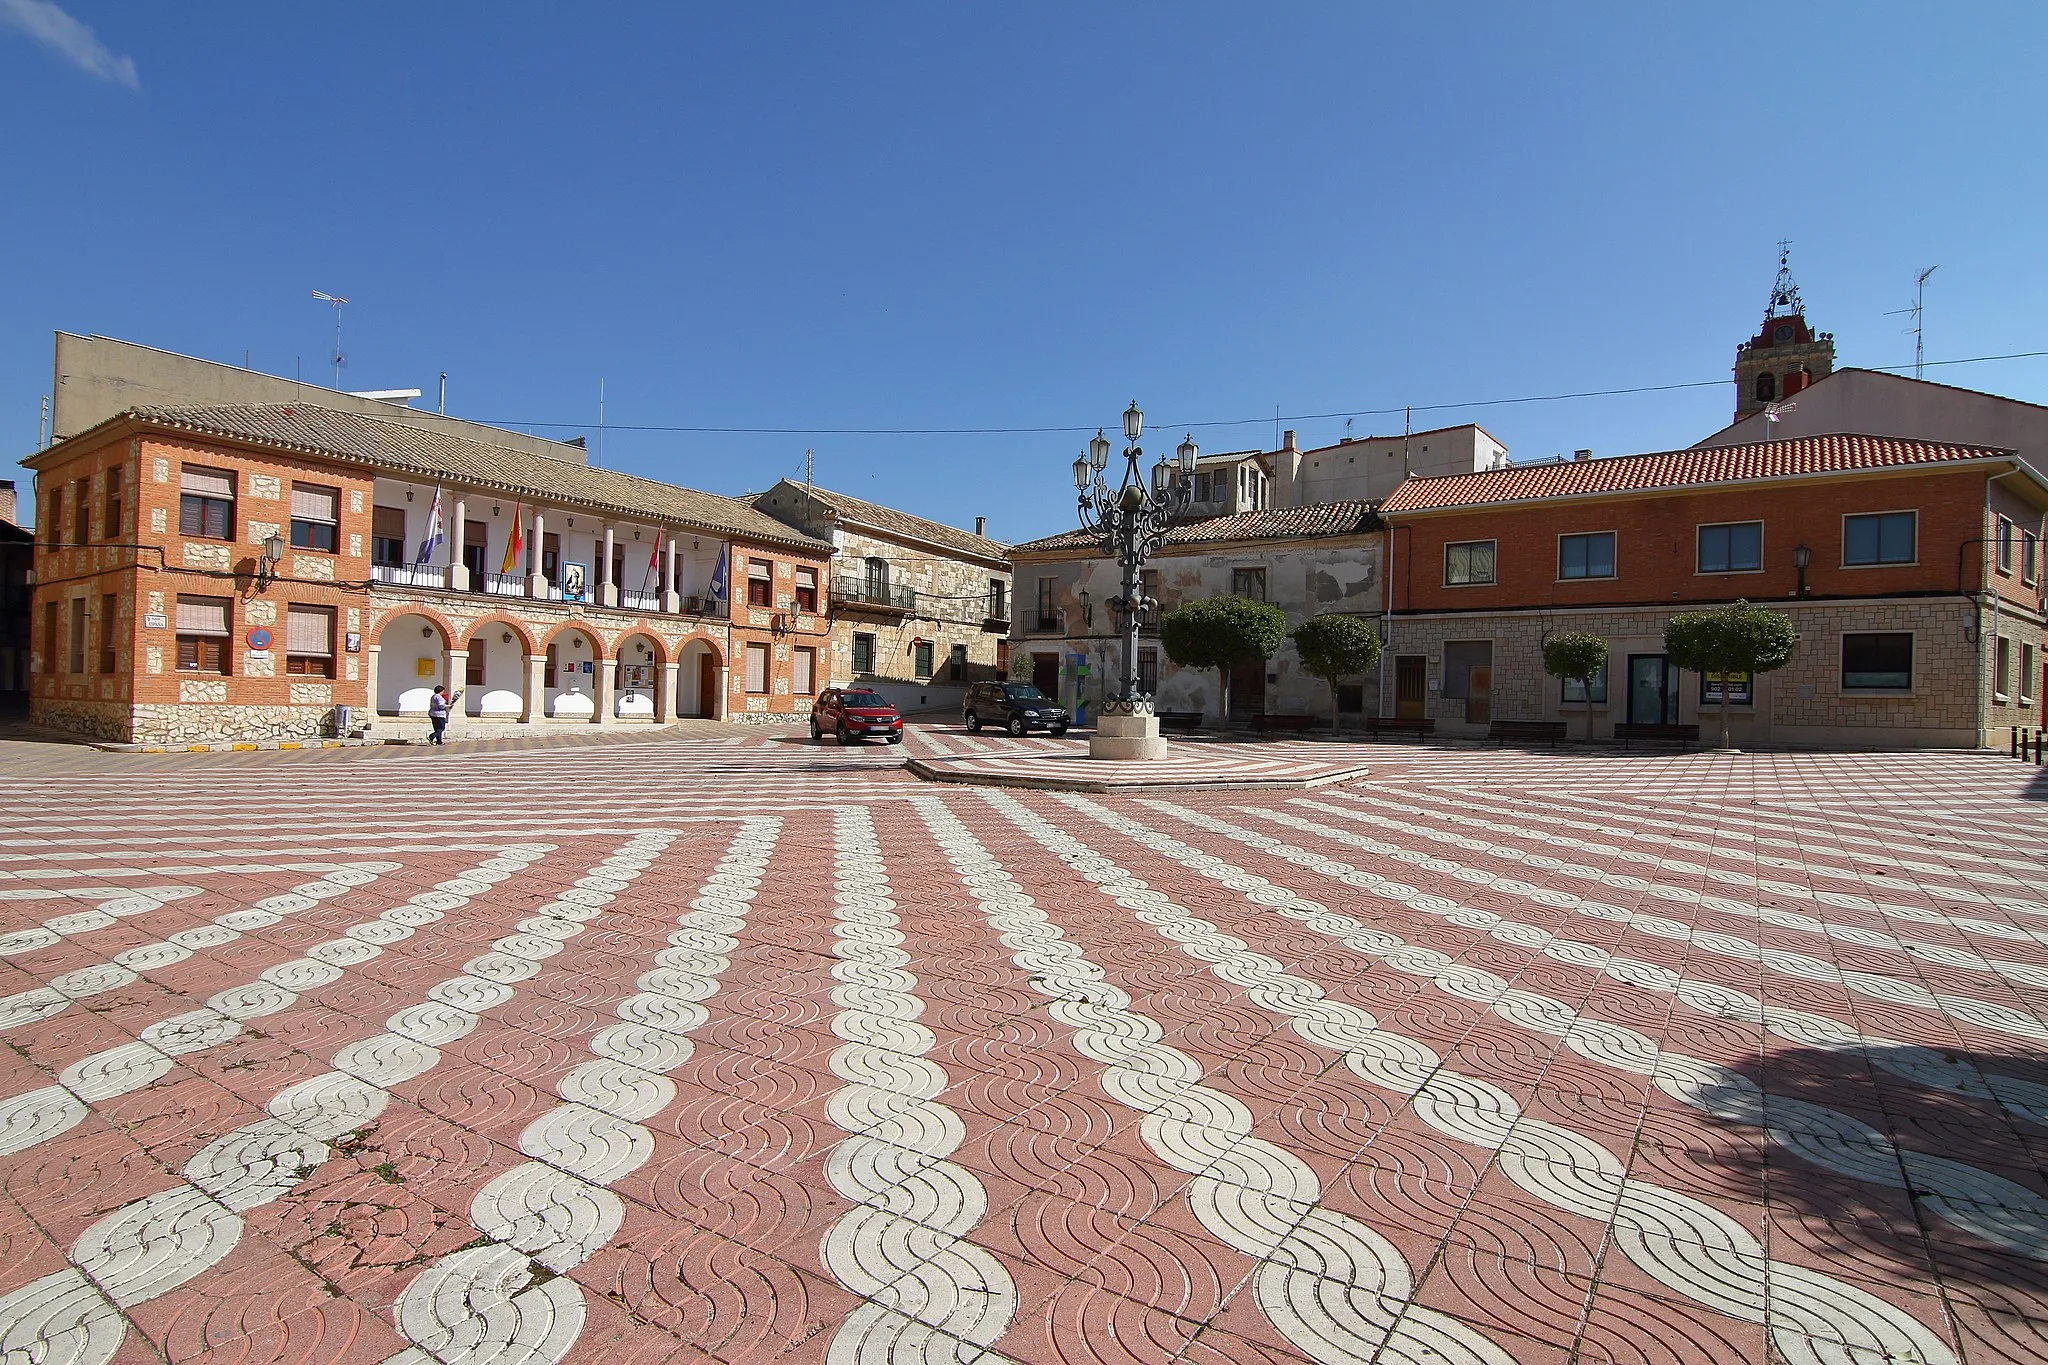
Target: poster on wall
(637,677)
(353,642)
(575,582)
(425,668)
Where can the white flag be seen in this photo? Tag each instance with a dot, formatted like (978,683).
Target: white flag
(435,534)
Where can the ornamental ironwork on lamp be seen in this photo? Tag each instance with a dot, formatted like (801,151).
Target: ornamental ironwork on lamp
(1130,522)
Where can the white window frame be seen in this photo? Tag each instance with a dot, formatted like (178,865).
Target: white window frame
(2005,546)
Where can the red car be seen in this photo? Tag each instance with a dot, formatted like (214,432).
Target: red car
(850,714)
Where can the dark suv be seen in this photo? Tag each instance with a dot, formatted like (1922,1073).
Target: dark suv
(852,713)
(1017,707)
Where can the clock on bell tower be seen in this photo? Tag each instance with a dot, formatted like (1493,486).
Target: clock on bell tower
(1786,354)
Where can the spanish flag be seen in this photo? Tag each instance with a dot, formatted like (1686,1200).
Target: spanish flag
(515,548)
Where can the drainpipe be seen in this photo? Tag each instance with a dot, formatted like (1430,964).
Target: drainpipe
(1985,587)
(1387,634)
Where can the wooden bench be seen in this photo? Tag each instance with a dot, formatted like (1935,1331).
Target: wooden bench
(1525,731)
(1419,726)
(1179,720)
(1297,724)
(1670,734)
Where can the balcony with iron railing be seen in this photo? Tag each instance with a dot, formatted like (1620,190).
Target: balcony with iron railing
(435,578)
(860,594)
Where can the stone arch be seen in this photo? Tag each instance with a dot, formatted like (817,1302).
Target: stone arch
(573,652)
(640,675)
(426,613)
(412,659)
(590,633)
(700,674)
(494,680)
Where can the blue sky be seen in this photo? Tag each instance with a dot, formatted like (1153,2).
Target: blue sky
(972,216)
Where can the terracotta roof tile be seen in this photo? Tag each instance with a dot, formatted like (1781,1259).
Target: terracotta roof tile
(1797,458)
(402,449)
(1277,523)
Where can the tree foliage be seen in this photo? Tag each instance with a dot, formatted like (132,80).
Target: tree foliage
(1222,633)
(1737,638)
(1334,646)
(1580,656)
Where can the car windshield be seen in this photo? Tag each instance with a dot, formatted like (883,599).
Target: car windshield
(864,699)
(1024,692)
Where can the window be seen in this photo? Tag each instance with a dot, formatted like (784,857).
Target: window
(1048,616)
(2005,545)
(1740,687)
(1877,662)
(109,607)
(54,521)
(803,671)
(1461,658)
(49,637)
(863,653)
(956,663)
(110,528)
(1468,561)
(1201,488)
(81,512)
(77,653)
(1002,658)
(757,668)
(878,579)
(924,658)
(309,641)
(1593,689)
(206,503)
(547,669)
(1735,548)
(202,634)
(1766,388)
(2030,557)
(998,600)
(551,557)
(315,512)
(806,592)
(2026,674)
(387,537)
(1148,670)
(760,584)
(1878,538)
(2003,688)
(1248,583)
(473,666)
(1586,556)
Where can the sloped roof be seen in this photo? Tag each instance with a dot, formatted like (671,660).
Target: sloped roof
(1802,457)
(888,520)
(1276,523)
(401,449)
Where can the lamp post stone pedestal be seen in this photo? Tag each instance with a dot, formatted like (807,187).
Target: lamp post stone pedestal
(1130,522)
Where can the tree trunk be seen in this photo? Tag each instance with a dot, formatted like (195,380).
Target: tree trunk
(1223,706)
(1724,709)
(1336,715)
(1586,684)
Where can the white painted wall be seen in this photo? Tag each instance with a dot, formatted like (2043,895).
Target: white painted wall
(401,688)
(574,695)
(503,693)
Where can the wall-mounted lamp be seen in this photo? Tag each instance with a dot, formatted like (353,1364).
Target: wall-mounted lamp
(494,509)
(426,632)
(266,567)
(636,533)
(1087,609)
(408,495)
(572,521)
(1801,557)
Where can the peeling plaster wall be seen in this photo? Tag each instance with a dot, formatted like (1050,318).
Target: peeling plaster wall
(1303,579)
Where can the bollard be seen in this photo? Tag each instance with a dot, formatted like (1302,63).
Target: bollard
(2015,750)
(2040,737)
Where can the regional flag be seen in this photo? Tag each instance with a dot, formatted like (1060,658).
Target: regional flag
(436,534)
(515,548)
(718,575)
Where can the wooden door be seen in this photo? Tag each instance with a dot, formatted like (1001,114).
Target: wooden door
(1045,674)
(1479,695)
(707,686)
(1411,682)
(1247,690)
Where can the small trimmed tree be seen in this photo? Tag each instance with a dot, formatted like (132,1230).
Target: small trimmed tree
(1222,633)
(1334,646)
(1579,656)
(1737,638)
(1022,666)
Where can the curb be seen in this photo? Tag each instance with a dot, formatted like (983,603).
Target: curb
(1104,787)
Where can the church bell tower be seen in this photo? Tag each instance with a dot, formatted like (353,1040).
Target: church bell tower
(1786,354)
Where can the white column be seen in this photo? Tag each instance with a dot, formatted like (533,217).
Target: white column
(672,691)
(370,654)
(721,706)
(672,600)
(536,586)
(607,591)
(535,702)
(458,572)
(602,671)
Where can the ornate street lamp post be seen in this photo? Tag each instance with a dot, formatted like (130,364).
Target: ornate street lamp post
(1129,521)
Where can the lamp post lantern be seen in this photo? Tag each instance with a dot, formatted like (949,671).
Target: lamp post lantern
(1130,521)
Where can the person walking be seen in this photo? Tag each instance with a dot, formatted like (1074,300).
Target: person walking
(438,706)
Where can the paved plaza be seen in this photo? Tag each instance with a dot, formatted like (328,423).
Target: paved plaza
(735,1048)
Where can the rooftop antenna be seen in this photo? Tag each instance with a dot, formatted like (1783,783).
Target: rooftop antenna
(1347,428)
(600,422)
(1913,312)
(339,358)
(808,453)
(1407,430)
(442,406)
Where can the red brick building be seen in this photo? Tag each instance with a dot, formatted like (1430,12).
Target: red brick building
(1911,570)
(553,593)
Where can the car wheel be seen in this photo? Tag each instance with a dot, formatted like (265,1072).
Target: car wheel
(1057,731)
(1018,727)
(817,735)
(895,739)
(844,737)
(973,723)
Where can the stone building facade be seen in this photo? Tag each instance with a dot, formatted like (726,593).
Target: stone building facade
(1307,561)
(919,609)
(1912,572)
(159,616)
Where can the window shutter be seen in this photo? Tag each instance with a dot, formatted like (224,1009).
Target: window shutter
(314,504)
(758,568)
(802,671)
(202,615)
(310,630)
(807,578)
(757,668)
(387,523)
(211,483)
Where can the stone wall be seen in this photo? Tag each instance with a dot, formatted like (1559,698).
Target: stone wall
(109,721)
(952,596)
(217,724)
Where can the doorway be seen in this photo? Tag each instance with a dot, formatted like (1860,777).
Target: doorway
(1479,694)
(1411,681)
(707,686)
(1248,690)
(1652,690)
(1045,674)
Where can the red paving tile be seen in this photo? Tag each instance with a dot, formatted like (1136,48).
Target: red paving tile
(1099,1253)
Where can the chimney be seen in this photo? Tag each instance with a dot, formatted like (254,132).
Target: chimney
(1287,441)
(7,501)
(1582,455)
(580,442)
(981,526)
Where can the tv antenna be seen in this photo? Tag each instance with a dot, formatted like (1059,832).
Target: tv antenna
(339,358)
(1919,299)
